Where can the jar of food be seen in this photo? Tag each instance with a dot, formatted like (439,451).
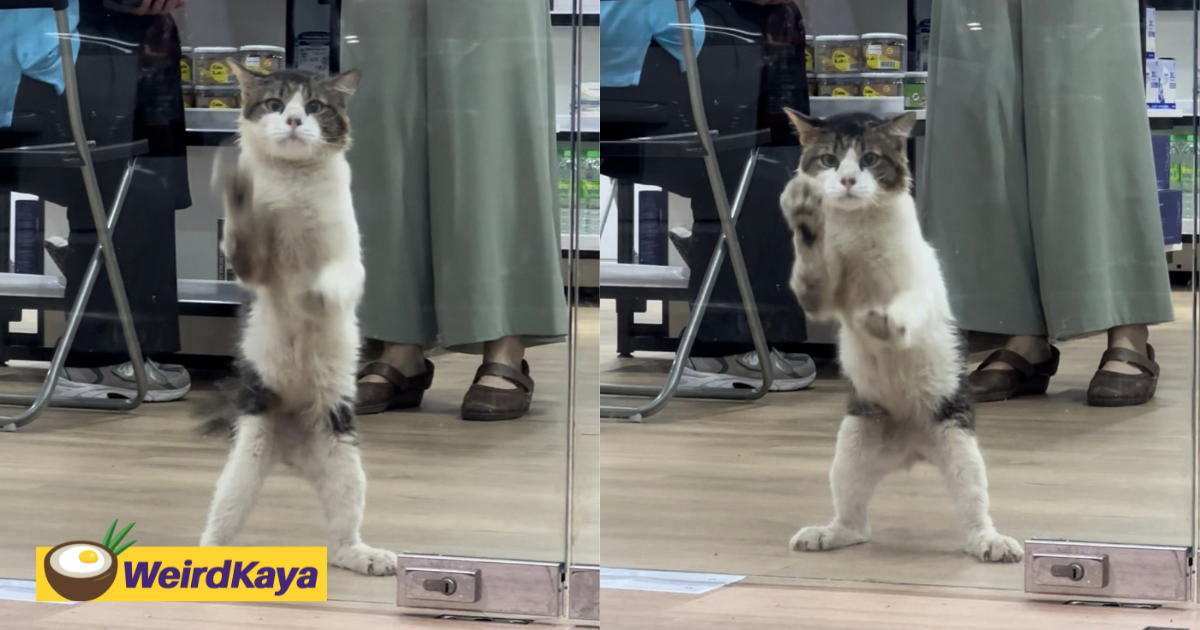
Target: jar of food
(838,85)
(211,65)
(882,83)
(218,97)
(884,51)
(189,96)
(263,59)
(185,65)
(812,85)
(838,53)
(810,52)
(914,89)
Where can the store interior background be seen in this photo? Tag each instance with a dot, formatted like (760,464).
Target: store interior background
(436,484)
(720,487)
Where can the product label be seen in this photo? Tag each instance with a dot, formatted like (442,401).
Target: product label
(218,72)
(877,90)
(840,91)
(843,61)
(914,96)
(253,62)
(808,60)
(185,69)
(880,57)
(217,103)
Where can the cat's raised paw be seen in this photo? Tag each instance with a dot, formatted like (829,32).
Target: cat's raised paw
(365,560)
(995,547)
(826,538)
(801,203)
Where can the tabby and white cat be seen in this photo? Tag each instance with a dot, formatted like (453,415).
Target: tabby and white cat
(292,238)
(861,259)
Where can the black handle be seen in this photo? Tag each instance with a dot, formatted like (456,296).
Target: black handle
(57,5)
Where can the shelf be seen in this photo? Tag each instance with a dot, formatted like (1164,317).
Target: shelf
(566,19)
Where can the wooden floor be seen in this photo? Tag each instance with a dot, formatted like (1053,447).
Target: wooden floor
(437,484)
(824,607)
(721,487)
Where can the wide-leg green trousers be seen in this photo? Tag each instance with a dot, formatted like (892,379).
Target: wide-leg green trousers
(454,173)
(1038,186)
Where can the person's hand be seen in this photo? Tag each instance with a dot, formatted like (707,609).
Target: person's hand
(147,7)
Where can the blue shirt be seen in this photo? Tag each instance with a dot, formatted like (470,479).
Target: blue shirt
(29,47)
(627,27)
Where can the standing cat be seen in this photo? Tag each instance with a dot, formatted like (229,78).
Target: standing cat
(861,259)
(291,236)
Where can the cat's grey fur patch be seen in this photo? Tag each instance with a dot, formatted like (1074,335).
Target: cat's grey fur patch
(957,407)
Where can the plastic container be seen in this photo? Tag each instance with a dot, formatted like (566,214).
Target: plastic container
(885,84)
(218,97)
(839,85)
(210,65)
(185,65)
(810,53)
(189,96)
(812,85)
(838,54)
(263,59)
(914,90)
(884,52)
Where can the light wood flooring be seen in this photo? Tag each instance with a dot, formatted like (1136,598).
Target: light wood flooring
(436,484)
(833,607)
(721,487)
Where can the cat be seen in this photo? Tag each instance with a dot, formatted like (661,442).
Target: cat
(293,241)
(861,260)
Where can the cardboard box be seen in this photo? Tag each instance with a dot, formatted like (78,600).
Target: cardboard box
(1154,85)
(1166,76)
(1170,207)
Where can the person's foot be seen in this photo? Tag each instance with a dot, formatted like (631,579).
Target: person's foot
(1023,367)
(791,372)
(1128,373)
(164,383)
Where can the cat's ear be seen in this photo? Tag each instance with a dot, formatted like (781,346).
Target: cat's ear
(245,77)
(346,82)
(900,126)
(807,128)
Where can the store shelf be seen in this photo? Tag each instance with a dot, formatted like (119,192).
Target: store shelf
(566,19)
(589,245)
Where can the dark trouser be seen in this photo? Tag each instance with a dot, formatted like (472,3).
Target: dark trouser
(731,73)
(124,95)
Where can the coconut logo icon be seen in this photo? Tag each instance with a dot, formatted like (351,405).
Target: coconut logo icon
(82,570)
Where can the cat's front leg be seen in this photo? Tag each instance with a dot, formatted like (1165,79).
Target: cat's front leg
(897,321)
(336,286)
(802,207)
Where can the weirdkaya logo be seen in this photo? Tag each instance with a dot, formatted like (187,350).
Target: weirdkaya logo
(84,571)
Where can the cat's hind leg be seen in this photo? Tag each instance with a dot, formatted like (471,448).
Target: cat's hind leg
(330,461)
(956,454)
(250,460)
(861,460)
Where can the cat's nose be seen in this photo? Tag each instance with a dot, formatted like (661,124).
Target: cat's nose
(294,122)
(849,182)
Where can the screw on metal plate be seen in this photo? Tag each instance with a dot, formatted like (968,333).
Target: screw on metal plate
(445,586)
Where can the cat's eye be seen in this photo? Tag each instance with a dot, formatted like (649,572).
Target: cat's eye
(314,107)
(869,159)
(273,105)
(830,160)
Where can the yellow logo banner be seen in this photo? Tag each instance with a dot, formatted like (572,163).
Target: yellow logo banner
(86,571)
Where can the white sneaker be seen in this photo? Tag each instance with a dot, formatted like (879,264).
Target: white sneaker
(165,383)
(790,372)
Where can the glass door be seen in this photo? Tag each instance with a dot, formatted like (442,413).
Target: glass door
(475,321)
(1046,181)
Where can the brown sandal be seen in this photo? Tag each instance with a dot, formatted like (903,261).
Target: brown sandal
(492,403)
(399,392)
(1114,389)
(1025,379)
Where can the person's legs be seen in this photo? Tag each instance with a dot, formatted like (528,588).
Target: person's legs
(390,186)
(1092,195)
(493,190)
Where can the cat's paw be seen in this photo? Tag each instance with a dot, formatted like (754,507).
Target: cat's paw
(826,538)
(807,288)
(994,547)
(801,203)
(364,559)
(886,325)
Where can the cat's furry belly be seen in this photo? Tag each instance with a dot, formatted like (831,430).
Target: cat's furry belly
(908,383)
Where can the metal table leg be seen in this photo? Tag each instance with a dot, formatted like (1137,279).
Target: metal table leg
(728,239)
(104,225)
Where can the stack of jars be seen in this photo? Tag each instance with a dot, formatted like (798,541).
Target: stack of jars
(871,65)
(208,80)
